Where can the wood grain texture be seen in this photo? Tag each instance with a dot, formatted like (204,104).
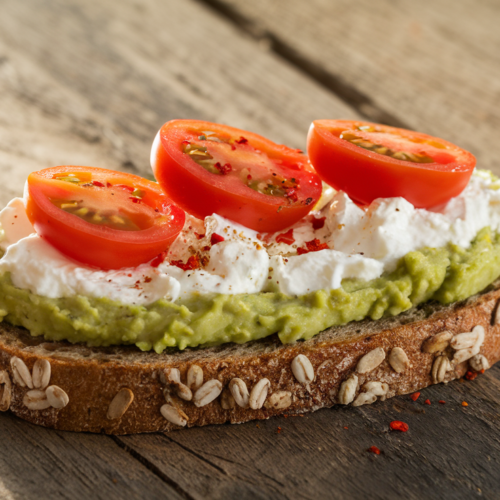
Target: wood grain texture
(433,66)
(90,83)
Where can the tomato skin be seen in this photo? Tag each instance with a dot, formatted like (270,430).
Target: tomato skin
(366,175)
(202,193)
(96,245)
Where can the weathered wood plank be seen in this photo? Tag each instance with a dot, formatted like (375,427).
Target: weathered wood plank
(91,83)
(41,463)
(450,451)
(434,66)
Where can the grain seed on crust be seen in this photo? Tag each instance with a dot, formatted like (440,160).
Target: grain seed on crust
(20,372)
(398,360)
(194,377)
(365,398)
(496,314)
(170,375)
(465,340)
(302,369)
(120,404)
(57,397)
(440,368)
(227,401)
(258,394)
(5,390)
(183,391)
(174,415)
(348,390)
(36,400)
(379,389)
(371,360)
(239,391)
(207,393)
(437,343)
(279,400)
(465,354)
(41,374)
(479,362)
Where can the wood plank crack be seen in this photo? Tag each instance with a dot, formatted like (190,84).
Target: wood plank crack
(334,83)
(152,468)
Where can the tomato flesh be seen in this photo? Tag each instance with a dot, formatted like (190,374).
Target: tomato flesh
(370,161)
(102,218)
(209,168)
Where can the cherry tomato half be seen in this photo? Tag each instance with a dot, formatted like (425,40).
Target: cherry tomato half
(209,168)
(370,161)
(99,217)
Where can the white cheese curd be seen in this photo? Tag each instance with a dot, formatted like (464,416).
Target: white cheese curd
(360,243)
(234,267)
(14,223)
(322,270)
(37,266)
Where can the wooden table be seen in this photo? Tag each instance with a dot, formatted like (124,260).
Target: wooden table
(89,82)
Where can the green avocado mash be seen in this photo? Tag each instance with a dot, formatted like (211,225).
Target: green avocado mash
(444,274)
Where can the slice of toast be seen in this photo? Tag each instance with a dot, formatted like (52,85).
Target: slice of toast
(121,390)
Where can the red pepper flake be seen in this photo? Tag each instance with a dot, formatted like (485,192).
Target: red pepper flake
(135,200)
(374,449)
(192,263)
(216,238)
(241,140)
(470,375)
(481,371)
(278,430)
(427,402)
(415,396)
(464,403)
(159,259)
(199,236)
(318,223)
(441,402)
(286,238)
(148,279)
(312,246)
(397,425)
(98,184)
(223,169)
(346,428)
(108,184)
(124,186)
(292,194)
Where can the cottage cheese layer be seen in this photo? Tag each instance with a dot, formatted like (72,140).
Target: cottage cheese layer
(353,242)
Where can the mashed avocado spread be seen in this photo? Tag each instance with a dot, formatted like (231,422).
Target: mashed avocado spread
(444,274)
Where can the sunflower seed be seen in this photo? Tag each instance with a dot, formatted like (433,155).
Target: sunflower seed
(440,367)
(437,343)
(56,396)
(5,391)
(348,390)
(174,415)
(365,398)
(41,374)
(226,400)
(479,362)
(120,403)
(398,360)
(279,400)
(371,360)
(258,394)
(207,392)
(239,391)
(302,369)
(464,354)
(36,400)
(20,372)
(194,377)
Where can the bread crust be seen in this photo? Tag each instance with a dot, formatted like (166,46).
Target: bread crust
(138,385)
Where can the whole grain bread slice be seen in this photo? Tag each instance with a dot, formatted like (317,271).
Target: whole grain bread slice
(121,390)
